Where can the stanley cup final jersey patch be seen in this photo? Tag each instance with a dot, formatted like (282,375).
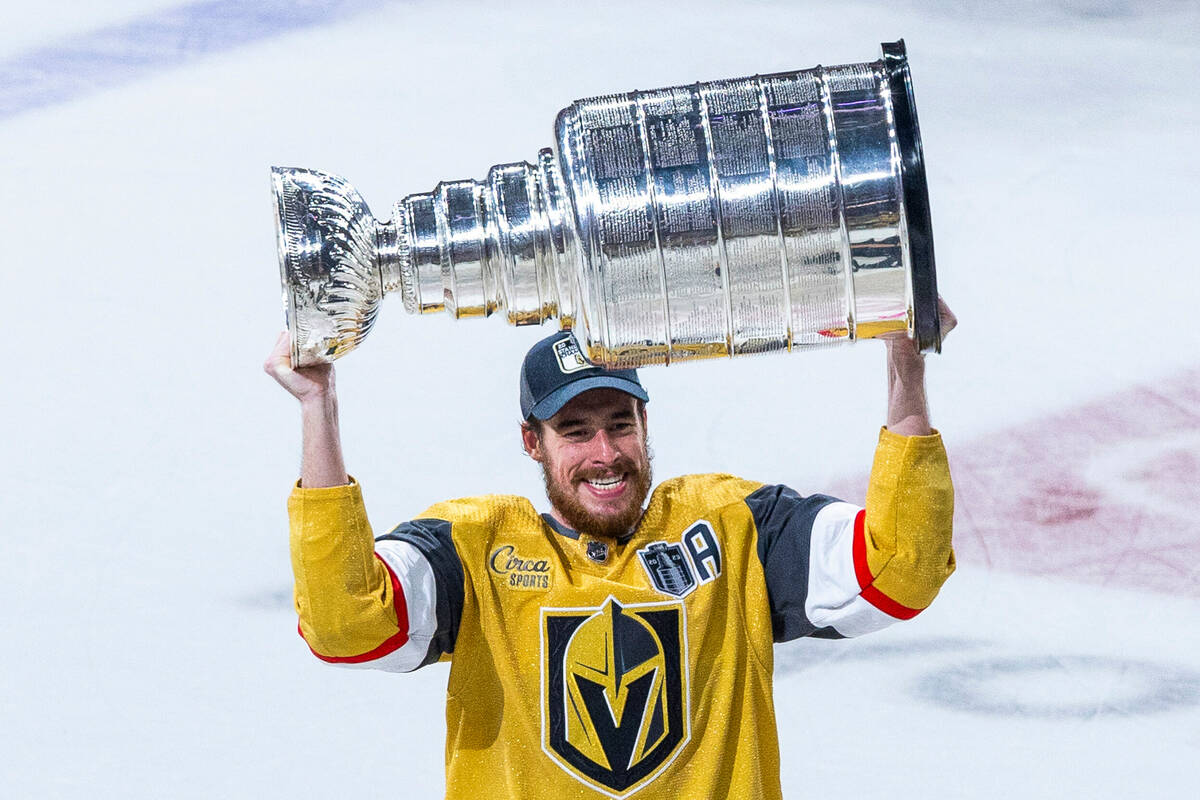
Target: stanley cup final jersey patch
(615,692)
(667,568)
(678,568)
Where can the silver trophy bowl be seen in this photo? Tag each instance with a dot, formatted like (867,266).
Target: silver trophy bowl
(751,215)
(328,263)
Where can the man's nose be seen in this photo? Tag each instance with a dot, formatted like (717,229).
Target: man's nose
(602,447)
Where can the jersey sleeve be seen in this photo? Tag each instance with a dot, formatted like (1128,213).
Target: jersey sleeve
(385,605)
(424,551)
(835,569)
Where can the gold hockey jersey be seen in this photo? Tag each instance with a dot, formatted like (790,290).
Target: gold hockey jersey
(583,668)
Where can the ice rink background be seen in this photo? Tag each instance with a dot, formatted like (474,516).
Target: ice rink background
(149,645)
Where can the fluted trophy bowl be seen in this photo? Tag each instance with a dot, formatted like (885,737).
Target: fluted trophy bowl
(749,215)
(328,263)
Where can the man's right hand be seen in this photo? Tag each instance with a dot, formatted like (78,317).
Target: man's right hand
(307,384)
(322,463)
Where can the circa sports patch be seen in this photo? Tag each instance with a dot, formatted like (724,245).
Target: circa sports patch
(568,355)
(516,571)
(615,692)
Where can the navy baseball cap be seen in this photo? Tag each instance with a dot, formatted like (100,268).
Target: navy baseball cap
(555,371)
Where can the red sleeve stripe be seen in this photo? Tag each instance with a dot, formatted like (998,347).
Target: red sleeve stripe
(862,571)
(393,643)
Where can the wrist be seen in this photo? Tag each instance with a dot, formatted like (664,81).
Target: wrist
(903,346)
(321,403)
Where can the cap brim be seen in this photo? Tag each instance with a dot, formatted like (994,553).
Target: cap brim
(554,402)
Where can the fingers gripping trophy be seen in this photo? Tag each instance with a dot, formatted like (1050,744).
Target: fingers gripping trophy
(750,215)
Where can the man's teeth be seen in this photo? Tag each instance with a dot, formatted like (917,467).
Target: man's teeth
(605,483)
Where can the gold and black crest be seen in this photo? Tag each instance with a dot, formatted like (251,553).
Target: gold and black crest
(614,692)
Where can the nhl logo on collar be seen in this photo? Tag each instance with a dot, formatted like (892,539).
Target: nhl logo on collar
(597,551)
(668,568)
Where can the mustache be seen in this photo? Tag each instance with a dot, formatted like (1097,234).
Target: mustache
(623,466)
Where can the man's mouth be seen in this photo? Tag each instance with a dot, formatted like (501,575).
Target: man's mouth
(607,486)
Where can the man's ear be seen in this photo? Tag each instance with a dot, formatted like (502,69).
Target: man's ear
(531,441)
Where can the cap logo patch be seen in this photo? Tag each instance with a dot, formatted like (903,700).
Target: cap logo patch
(569,358)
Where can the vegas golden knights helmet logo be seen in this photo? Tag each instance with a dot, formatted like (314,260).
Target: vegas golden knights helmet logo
(614,692)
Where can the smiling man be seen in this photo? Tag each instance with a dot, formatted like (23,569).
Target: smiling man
(613,646)
(587,428)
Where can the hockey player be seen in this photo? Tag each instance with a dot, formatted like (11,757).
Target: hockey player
(612,646)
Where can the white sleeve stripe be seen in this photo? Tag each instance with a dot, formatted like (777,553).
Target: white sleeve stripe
(834,598)
(859,617)
(416,579)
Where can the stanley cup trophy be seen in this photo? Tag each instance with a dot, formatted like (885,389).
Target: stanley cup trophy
(739,216)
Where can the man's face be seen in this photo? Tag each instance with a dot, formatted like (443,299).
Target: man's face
(595,461)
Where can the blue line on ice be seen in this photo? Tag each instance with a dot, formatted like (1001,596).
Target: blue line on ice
(111,56)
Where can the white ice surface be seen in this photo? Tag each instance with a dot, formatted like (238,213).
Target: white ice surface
(149,648)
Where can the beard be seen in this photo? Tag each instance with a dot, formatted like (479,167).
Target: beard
(609,526)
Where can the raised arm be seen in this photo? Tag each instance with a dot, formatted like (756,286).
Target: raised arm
(322,463)
(908,409)
(349,598)
(903,552)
